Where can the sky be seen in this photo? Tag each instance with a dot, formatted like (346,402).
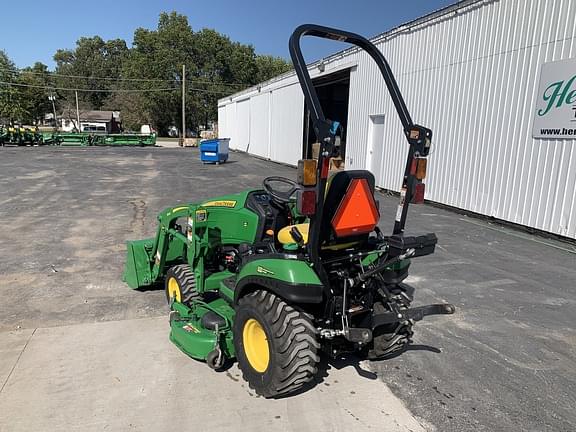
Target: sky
(33,30)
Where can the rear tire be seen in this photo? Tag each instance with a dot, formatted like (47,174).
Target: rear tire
(276,345)
(180,283)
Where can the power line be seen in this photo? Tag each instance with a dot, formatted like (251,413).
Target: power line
(54,74)
(12,84)
(108,90)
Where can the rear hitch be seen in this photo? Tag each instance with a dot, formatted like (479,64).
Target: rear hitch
(351,334)
(415,314)
(358,335)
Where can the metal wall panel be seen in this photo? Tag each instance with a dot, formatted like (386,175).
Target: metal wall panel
(222,123)
(260,125)
(230,131)
(242,133)
(470,73)
(286,125)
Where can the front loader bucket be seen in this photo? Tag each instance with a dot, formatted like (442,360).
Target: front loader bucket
(138,267)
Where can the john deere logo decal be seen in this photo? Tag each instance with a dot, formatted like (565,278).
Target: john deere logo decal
(263,270)
(221,203)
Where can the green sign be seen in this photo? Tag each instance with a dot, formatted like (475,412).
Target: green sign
(555,114)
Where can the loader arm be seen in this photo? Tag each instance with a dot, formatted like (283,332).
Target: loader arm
(148,260)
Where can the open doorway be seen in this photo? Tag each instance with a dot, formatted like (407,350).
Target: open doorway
(333,92)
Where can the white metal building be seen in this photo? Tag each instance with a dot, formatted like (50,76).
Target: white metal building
(471,72)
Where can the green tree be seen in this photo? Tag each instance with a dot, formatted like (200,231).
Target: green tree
(158,55)
(34,97)
(11,108)
(151,73)
(94,59)
(270,66)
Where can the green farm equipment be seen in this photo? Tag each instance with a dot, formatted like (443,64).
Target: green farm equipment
(128,139)
(72,139)
(276,276)
(20,136)
(86,139)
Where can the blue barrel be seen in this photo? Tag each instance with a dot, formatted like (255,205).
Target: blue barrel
(214,150)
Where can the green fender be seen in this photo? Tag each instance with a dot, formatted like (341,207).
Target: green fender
(291,279)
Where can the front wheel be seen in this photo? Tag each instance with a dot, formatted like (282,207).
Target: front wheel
(180,285)
(276,345)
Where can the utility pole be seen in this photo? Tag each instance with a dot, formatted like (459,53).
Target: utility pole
(183,105)
(77,111)
(52,97)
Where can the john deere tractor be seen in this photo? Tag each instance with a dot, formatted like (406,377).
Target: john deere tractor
(276,276)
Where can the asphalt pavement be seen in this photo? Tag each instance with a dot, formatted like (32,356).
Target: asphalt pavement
(79,350)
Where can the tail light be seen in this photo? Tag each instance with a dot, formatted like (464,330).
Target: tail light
(306,202)
(418,197)
(418,168)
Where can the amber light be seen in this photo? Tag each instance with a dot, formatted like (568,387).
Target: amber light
(421,168)
(307,172)
(357,213)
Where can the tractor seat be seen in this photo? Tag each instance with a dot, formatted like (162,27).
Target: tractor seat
(350,212)
(285,237)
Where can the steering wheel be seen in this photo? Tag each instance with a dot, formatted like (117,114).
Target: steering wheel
(279,195)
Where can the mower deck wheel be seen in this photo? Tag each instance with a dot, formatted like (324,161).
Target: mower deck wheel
(180,285)
(276,345)
(215,360)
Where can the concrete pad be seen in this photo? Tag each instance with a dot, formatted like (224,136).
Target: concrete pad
(126,375)
(11,346)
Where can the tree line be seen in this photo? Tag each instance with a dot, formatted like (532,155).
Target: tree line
(143,81)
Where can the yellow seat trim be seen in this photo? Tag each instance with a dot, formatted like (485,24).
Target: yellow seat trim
(285,237)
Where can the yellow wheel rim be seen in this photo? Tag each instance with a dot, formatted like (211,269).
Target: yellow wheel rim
(256,345)
(174,290)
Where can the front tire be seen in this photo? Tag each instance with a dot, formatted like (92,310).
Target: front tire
(180,285)
(276,345)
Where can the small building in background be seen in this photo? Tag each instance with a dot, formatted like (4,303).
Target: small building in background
(91,121)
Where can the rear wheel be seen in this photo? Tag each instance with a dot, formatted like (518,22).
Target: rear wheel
(180,285)
(276,345)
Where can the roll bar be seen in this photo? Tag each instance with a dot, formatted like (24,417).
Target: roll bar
(354,39)
(418,137)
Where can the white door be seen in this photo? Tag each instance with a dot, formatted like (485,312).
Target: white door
(375,144)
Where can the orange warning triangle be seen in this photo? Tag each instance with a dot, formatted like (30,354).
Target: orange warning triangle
(357,213)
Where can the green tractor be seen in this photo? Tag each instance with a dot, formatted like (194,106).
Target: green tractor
(276,276)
